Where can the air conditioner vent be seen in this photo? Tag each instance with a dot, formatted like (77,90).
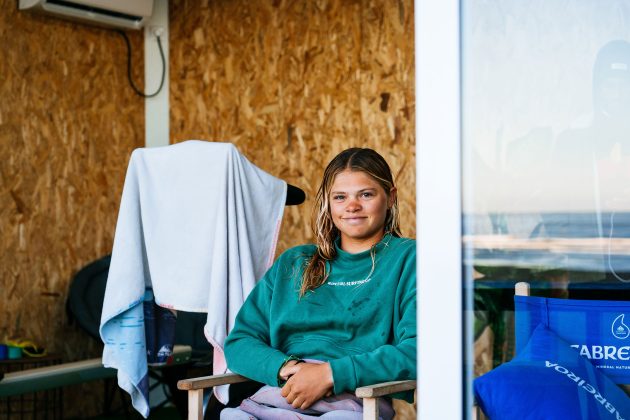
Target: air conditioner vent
(128,14)
(96,10)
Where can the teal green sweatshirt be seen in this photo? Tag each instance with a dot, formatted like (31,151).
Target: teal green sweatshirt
(363,324)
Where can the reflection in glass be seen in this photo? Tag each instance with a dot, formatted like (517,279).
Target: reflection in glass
(546,151)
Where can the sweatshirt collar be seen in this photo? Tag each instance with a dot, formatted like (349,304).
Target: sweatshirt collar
(347,256)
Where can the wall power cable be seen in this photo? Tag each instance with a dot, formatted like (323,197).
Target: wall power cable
(157,32)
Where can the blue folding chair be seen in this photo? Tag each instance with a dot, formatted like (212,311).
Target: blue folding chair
(598,329)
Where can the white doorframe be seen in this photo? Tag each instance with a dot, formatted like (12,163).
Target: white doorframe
(438,167)
(156,109)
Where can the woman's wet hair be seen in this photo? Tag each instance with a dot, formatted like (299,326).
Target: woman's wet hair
(353,159)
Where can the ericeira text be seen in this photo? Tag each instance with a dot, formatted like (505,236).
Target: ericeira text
(587,387)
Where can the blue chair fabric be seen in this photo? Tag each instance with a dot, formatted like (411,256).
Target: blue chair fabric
(598,329)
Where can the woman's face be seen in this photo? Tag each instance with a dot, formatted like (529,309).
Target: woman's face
(358,206)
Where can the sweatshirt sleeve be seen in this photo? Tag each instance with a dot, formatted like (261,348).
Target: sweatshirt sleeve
(247,348)
(391,362)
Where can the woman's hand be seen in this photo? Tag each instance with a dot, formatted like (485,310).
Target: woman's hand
(285,372)
(308,382)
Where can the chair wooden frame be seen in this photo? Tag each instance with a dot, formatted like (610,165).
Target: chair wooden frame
(370,394)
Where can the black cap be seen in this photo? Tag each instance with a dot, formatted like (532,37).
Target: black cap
(295,195)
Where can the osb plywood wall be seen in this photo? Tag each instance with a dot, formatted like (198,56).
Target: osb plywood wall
(293,83)
(68,121)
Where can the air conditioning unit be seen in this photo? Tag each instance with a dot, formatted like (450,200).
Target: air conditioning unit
(128,14)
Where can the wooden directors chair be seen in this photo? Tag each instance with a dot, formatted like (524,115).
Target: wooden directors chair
(369,394)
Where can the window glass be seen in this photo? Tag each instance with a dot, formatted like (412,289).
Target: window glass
(546,159)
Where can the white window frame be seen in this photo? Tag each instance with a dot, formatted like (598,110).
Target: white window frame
(441,368)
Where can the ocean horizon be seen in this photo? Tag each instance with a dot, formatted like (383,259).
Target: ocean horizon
(576,241)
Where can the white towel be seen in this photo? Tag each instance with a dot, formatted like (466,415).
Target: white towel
(199,223)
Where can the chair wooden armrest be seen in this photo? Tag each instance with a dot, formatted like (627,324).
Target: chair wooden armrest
(210,381)
(383,389)
(369,394)
(195,387)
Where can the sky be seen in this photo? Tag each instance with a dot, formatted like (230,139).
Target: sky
(532,137)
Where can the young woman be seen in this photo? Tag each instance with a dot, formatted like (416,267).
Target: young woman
(328,318)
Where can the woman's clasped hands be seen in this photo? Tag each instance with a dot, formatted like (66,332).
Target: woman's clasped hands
(307,383)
